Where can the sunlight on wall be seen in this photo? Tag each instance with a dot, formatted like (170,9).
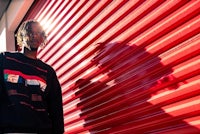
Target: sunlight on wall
(3,40)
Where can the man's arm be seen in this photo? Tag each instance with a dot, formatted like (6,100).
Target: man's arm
(56,105)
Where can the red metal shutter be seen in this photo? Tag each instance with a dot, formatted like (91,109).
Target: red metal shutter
(125,66)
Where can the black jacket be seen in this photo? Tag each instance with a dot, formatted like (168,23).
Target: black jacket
(30,95)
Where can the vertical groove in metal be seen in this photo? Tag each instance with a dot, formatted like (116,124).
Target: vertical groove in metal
(125,66)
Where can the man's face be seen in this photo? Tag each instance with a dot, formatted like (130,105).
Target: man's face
(34,36)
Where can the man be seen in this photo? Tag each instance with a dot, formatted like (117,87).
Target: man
(30,94)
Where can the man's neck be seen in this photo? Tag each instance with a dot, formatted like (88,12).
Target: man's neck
(30,54)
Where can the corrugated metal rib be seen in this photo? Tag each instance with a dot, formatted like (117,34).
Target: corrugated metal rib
(125,66)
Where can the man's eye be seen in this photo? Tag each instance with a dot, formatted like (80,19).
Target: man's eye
(36,33)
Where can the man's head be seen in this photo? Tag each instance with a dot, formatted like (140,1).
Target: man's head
(31,35)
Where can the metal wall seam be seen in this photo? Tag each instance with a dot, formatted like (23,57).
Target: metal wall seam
(125,66)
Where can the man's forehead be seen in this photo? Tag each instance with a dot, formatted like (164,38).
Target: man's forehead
(36,27)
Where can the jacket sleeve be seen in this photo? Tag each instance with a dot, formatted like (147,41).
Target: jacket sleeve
(55,105)
(1,72)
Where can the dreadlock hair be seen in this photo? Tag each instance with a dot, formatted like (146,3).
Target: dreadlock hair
(24,29)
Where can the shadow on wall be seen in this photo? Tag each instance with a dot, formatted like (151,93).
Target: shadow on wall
(128,95)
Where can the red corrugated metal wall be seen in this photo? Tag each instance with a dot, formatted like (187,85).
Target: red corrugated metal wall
(125,66)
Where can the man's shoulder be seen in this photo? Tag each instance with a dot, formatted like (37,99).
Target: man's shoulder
(9,53)
(45,65)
